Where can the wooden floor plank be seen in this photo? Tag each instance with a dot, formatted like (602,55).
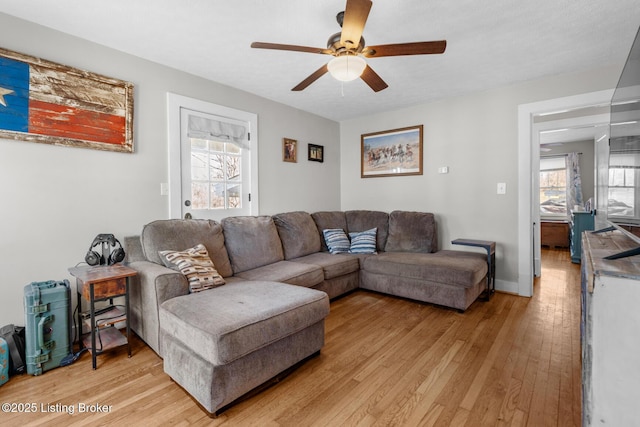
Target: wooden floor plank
(511,361)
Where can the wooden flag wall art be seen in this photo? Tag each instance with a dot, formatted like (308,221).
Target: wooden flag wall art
(41,101)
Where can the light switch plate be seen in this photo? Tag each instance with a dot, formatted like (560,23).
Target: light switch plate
(502,188)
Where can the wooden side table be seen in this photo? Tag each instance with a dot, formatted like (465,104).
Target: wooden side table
(490,247)
(101,283)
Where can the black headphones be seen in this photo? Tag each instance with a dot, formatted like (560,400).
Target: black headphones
(107,257)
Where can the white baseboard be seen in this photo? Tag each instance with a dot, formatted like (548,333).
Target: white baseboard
(505,286)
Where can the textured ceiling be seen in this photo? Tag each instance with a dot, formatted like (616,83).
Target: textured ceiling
(489,44)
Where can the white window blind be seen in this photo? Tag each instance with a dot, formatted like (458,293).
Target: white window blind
(209,129)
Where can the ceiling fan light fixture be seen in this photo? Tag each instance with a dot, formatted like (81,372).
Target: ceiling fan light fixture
(346,67)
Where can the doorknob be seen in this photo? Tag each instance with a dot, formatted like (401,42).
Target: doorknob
(187,203)
(188,216)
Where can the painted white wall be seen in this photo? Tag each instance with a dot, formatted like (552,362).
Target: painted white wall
(476,137)
(54,200)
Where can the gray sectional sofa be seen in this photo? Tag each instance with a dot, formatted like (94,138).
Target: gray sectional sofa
(221,343)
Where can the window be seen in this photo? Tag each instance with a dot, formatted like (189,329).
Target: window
(553,187)
(216,181)
(622,182)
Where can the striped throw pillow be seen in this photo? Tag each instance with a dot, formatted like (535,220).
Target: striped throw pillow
(336,240)
(363,242)
(196,265)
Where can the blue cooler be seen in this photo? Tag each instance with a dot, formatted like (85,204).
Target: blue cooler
(4,361)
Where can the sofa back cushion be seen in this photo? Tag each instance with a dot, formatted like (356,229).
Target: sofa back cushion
(181,234)
(327,220)
(412,232)
(363,220)
(298,234)
(252,241)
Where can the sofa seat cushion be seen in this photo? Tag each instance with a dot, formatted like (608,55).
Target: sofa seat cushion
(251,241)
(329,219)
(226,323)
(457,268)
(412,232)
(362,220)
(293,273)
(298,233)
(332,265)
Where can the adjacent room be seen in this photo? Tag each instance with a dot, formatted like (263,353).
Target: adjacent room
(347,212)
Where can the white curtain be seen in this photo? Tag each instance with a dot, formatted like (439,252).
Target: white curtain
(204,128)
(574,182)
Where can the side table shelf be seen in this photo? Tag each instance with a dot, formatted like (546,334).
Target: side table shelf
(103,283)
(109,336)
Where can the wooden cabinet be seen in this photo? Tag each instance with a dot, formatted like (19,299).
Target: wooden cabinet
(610,322)
(554,234)
(580,222)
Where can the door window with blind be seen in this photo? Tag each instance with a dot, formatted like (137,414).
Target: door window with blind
(553,187)
(212,160)
(215,165)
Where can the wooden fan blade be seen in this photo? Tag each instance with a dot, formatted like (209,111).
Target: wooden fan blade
(374,81)
(312,78)
(417,48)
(355,17)
(291,47)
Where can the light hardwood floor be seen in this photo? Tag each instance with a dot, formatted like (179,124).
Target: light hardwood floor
(387,361)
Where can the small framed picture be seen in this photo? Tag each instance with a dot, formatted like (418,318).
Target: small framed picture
(289,150)
(316,153)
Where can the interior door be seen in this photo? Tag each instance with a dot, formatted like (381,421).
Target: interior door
(535,203)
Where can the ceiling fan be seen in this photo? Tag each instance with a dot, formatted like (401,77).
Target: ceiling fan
(348,47)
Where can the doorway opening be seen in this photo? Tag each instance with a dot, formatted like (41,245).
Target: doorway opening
(566,180)
(560,113)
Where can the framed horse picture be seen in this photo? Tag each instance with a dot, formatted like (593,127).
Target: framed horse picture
(395,152)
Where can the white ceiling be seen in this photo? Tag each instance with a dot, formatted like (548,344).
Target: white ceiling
(490,43)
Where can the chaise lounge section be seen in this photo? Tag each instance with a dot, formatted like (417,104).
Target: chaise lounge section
(407,262)
(279,275)
(221,343)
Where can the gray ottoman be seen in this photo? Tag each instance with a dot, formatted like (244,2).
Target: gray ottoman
(221,343)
